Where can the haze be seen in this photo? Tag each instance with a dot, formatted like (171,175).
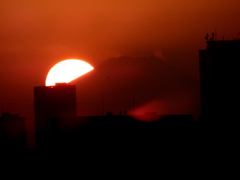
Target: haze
(35,35)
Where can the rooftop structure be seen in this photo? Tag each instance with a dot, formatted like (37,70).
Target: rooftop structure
(219,75)
(52,102)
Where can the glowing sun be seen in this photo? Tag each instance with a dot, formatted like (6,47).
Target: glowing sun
(66,71)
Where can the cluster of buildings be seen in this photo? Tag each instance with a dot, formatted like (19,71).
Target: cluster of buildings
(56,120)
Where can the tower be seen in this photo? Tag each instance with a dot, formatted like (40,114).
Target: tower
(219,77)
(52,102)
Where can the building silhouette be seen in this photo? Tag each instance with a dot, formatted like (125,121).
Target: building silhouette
(52,102)
(219,76)
(58,127)
(94,132)
(12,131)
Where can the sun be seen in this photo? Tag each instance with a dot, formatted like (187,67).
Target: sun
(66,71)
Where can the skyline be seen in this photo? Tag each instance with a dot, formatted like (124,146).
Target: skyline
(154,85)
(35,36)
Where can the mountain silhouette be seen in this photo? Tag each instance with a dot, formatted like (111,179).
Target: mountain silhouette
(137,85)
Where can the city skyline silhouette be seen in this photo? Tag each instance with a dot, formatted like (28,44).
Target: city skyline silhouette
(57,124)
(166,32)
(56,106)
(145,54)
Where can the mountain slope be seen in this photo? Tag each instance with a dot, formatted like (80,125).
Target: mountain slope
(137,85)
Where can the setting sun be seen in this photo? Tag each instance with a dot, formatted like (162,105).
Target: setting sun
(66,71)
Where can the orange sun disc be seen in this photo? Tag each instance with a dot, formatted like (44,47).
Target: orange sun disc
(66,71)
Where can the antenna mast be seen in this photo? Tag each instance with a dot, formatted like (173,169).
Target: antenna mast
(216,34)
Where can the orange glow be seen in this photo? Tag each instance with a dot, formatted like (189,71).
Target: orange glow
(66,71)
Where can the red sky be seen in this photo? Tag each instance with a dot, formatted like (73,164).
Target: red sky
(35,35)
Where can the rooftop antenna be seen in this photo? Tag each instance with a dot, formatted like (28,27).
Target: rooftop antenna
(133,104)
(238,34)
(212,38)
(216,34)
(206,37)
(102,105)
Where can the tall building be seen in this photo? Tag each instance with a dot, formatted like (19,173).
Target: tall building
(52,102)
(219,77)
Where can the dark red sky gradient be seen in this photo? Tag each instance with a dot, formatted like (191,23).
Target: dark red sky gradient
(138,86)
(35,35)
